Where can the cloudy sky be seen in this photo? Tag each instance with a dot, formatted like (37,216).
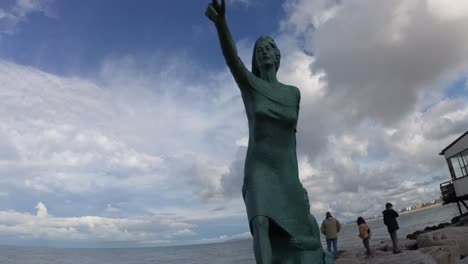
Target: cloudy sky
(120,124)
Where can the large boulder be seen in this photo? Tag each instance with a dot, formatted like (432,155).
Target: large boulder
(402,244)
(443,254)
(456,219)
(427,229)
(450,236)
(463,221)
(348,260)
(407,257)
(382,257)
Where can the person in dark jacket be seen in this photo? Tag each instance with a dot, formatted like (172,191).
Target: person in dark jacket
(389,218)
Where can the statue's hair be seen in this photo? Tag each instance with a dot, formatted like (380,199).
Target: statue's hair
(271,41)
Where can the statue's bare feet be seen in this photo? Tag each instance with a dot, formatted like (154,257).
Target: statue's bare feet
(305,242)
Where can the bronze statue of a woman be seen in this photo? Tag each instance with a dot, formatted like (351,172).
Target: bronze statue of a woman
(283,229)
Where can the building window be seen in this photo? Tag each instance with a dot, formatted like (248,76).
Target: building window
(464,155)
(460,164)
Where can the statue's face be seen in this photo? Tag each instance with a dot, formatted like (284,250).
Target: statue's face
(265,55)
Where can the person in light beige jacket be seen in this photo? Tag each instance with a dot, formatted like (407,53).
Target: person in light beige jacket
(364,234)
(330,228)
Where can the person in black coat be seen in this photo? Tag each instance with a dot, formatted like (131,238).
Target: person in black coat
(389,217)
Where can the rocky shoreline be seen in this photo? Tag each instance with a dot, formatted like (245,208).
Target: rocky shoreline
(446,243)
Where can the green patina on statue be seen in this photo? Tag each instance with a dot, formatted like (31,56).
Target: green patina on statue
(277,205)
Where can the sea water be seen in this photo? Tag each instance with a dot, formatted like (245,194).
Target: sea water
(234,252)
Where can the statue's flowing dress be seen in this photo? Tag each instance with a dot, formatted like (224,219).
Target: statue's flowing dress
(271,180)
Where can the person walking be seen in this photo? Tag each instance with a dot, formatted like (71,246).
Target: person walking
(364,234)
(330,228)
(389,218)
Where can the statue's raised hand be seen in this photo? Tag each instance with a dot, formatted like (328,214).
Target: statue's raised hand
(215,11)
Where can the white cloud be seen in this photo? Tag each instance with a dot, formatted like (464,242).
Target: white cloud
(41,210)
(132,150)
(222,238)
(448,10)
(243,2)
(227,210)
(92,228)
(17,13)
(380,57)
(24,7)
(62,132)
(110,209)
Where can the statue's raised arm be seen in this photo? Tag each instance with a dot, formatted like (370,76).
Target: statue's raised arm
(216,12)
